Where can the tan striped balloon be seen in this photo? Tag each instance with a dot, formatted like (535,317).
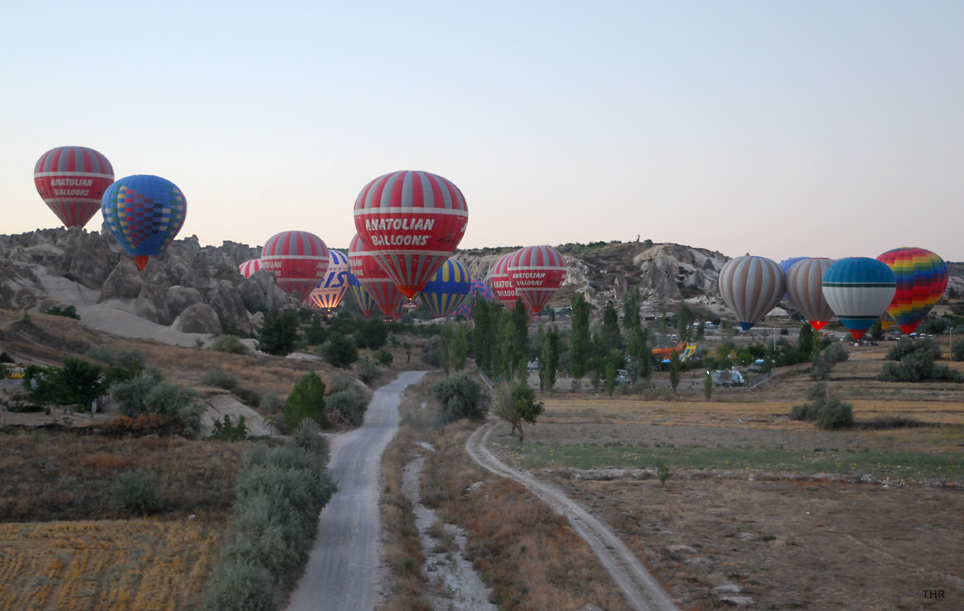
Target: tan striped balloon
(751,287)
(805,289)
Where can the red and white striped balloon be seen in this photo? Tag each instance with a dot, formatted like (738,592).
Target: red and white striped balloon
(501,281)
(374,279)
(299,260)
(249,267)
(72,180)
(411,222)
(537,272)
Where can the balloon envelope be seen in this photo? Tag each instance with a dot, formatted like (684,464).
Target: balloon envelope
(144,213)
(447,289)
(502,281)
(921,278)
(362,297)
(374,279)
(249,267)
(478,289)
(331,290)
(72,180)
(299,260)
(805,290)
(858,289)
(410,222)
(751,287)
(537,272)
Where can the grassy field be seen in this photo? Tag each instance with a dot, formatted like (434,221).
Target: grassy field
(107,565)
(790,515)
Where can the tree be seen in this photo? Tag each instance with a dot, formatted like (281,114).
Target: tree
(876,331)
(610,379)
(684,322)
(485,316)
(340,350)
(445,350)
(674,370)
(631,310)
(306,402)
(548,358)
(515,403)
(460,348)
(460,396)
(610,328)
(580,342)
(708,386)
(701,331)
(373,334)
(82,382)
(278,333)
(805,340)
(43,384)
(597,361)
(520,322)
(639,354)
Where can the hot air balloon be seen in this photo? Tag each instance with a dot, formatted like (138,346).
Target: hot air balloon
(410,222)
(330,291)
(502,281)
(299,260)
(447,289)
(478,289)
(537,273)
(249,267)
(886,321)
(362,297)
(921,278)
(786,264)
(858,289)
(374,279)
(751,287)
(144,213)
(805,289)
(72,181)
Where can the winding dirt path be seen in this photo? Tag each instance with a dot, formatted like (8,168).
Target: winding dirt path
(342,572)
(641,591)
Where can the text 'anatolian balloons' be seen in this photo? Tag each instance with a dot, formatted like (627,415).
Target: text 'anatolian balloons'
(144,213)
(410,222)
(72,181)
(299,260)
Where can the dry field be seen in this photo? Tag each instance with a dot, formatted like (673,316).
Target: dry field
(109,565)
(795,517)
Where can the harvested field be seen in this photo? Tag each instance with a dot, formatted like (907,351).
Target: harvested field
(111,565)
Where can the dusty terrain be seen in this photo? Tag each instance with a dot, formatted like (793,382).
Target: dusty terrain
(760,508)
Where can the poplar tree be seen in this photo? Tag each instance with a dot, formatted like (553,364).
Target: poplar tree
(610,328)
(460,348)
(483,336)
(579,340)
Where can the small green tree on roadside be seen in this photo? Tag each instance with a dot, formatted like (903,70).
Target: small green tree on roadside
(306,402)
(340,350)
(708,386)
(515,403)
(460,396)
(674,370)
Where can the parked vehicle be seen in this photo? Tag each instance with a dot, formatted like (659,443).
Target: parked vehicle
(727,378)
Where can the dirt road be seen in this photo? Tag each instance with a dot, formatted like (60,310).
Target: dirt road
(641,591)
(342,568)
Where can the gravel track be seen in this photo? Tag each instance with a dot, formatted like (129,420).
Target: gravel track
(342,572)
(641,591)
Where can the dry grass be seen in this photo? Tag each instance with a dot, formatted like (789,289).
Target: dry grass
(529,555)
(113,565)
(62,476)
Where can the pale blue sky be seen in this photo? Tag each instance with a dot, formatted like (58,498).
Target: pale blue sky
(776,128)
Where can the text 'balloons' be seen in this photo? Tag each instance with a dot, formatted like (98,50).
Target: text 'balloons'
(72,181)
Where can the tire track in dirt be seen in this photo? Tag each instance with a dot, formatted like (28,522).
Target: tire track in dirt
(641,590)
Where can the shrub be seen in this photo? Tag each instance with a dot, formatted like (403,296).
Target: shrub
(270,402)
(827,411)
(348,404)
(278,333)
(149,393)
(130,359)
(240,584)
(219,378)
(367,371)
(230,432)
(835,415)
(835,353)
(69,311)
(339,351)
(384,357)
(135,492)
(461,397)
(230,344)
(100,353)
(373,334)
(909,346)
(957,351)
(307,401)
(249,397)
(918,367)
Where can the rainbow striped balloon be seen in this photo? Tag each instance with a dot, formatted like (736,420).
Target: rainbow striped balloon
(447,289)
(921,278)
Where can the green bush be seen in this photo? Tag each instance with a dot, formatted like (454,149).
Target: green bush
(384,357)
(836,415)
(249,397)
(100,353)
(827,411)
(835,353)
(918,367)
(339,351)
(219,378)
(957,351)
(279,333)
(149,393)
(460,396)
(367,371)
(69,311)
(130,359)
(270,402)
(230,344)
(373,334)
(348,404)
(238,583)
(135,492)
(909,346)
(307,401)
(227,431)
